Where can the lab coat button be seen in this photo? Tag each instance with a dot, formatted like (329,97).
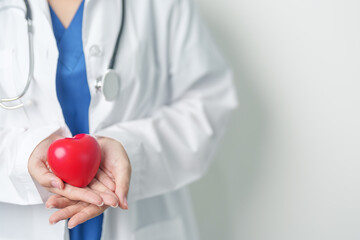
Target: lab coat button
(95,51)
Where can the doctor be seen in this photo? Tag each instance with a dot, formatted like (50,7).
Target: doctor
(158,118)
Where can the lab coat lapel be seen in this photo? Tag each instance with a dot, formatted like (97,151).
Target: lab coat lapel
(100,29)
(42,23)
(45,63)
(43,5)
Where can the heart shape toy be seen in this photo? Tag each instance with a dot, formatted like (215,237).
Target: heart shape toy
(75,160)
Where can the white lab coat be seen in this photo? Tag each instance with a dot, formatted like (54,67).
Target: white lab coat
(174,104)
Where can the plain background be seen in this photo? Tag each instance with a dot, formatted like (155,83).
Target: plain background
(289,166)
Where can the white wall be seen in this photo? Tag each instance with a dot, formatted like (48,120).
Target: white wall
(289,168)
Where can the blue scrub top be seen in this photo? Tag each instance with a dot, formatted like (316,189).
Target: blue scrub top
(74,96)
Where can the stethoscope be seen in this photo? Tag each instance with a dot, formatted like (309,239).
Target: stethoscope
(108,84)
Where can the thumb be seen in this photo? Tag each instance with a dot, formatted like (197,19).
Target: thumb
(40,172)
(122,182)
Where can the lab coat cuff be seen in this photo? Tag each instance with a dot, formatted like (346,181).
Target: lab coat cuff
(19,175)
(133,149)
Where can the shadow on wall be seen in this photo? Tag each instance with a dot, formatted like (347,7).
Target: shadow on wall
(220,197)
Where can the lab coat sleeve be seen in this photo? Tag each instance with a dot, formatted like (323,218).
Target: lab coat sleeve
(16,146)
(175,145)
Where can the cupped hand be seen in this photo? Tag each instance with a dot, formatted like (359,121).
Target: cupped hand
(109,188)
(79,211)
(38,169)
(115,167)
(76,211)
(115,163)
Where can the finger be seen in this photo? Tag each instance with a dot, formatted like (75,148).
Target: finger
(57,201)
(85,214)
(108,196)
(122,180)
(105,179)
(79,194)
(40,172)
(67,212)
(107,172)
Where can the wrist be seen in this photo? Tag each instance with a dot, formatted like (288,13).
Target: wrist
(54,137)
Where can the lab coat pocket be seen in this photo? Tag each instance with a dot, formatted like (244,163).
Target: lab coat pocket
(166,230)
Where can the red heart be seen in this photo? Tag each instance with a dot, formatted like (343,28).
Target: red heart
(75,160)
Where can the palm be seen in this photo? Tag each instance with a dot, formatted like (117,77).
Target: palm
(114,168)
(115,163)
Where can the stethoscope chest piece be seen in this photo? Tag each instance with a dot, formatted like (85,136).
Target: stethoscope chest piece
(109,84)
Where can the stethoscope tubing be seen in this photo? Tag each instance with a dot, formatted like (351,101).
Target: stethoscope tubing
(28,17)
(113,58)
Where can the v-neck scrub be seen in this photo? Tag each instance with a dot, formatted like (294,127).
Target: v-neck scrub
(74,96)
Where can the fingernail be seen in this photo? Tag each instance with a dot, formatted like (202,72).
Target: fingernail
(70,227)
(51,206)
(125,203)
(100,205)
(115,206)
(56,184)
